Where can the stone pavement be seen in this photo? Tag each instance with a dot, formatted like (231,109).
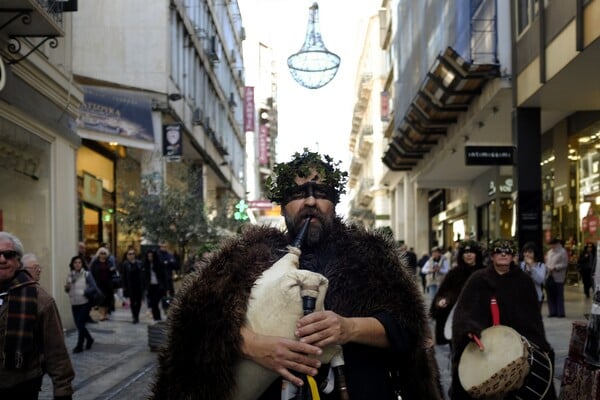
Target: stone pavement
(120,365)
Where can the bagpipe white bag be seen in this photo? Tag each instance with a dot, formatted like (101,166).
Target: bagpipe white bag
(274,307)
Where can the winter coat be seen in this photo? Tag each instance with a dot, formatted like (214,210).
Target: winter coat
(366,279)
(449,289)
(519,309)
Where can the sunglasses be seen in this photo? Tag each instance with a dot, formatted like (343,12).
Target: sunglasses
(131,254)
(503,250)
(9,254)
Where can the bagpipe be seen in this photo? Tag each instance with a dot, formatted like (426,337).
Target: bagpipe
(279,298)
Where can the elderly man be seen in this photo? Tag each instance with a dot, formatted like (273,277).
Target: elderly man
(374,309)
(30,331)
(32,265)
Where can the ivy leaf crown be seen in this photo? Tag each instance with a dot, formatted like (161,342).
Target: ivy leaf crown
(284,174)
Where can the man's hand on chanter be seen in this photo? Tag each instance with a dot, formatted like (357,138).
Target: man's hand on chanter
(281,355)
(326,328)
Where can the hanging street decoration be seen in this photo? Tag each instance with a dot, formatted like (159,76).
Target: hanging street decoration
(313,66)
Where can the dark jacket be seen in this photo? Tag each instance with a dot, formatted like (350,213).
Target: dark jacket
(134,279)
(49,346)
(519,309)
(161,274)
(450,290)
(366,278)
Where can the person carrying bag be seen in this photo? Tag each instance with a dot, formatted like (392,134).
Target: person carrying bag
(83,293)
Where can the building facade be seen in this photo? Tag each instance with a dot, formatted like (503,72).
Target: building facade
(39,103)
(448,81)
(163,86)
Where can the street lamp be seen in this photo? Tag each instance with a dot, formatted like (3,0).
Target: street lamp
(313,66)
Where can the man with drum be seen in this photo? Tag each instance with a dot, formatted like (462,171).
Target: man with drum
(499,304)
(373,308)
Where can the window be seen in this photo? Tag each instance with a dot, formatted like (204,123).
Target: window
(526,11)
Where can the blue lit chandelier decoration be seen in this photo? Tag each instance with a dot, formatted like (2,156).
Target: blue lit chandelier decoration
(313,66)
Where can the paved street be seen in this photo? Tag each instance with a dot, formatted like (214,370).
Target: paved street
(120,365)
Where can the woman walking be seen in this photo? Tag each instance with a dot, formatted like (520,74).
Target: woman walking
(469,260)
(533,266)
(103,269)
(77,282)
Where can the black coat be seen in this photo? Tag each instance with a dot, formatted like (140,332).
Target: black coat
(366,278)
(519,309)
(134,279)
(449,289)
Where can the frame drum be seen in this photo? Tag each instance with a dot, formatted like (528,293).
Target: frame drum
(500,368)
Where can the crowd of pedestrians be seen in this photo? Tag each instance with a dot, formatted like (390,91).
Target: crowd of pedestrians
(467,298)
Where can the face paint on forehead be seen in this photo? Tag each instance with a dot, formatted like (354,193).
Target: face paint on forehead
(314,189)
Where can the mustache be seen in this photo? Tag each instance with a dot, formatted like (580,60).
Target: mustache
(301,217)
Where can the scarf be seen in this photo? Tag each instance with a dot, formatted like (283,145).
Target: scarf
(22,312)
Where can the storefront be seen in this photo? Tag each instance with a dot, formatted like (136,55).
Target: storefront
(571,182)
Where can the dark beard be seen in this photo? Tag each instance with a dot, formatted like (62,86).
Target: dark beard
(314,234)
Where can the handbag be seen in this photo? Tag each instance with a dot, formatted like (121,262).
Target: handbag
(94,295)
(116,281)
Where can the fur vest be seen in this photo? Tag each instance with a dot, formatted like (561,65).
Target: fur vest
(366,278)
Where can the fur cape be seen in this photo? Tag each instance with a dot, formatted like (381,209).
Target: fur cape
(450,290)
(365,276)
(519,309)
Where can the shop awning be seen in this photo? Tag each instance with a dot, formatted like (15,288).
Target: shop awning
(448,89)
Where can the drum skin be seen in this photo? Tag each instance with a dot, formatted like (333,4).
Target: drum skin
(500,368)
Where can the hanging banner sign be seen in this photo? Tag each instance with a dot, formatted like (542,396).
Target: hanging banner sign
(249,109)
(172,141)
(263,144)
(385,106)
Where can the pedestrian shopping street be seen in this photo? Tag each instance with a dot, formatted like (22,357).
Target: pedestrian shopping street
(120,365)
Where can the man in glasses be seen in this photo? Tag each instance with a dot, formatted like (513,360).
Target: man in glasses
(516,305)
(374,309)
(30,331)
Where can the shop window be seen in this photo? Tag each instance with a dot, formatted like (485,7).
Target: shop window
(25,198)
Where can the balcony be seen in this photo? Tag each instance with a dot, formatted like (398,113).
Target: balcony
(42,19)
(33,18)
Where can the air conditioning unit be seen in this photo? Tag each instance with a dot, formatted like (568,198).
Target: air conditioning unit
(231,101)
(197,116)
(206,123)
(212,49)
(242,33)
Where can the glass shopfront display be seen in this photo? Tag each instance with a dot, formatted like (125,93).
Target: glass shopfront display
(25,197)
(96,183)
(589,184)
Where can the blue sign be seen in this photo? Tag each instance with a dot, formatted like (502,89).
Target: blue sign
(117,112)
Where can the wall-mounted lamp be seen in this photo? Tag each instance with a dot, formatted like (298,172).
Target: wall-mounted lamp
(495,109)
(466,138)
(174,96)
(480,124)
